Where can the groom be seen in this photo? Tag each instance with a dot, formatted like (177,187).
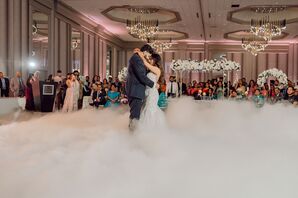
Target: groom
(137,81)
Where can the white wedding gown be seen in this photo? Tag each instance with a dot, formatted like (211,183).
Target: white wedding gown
(152,117)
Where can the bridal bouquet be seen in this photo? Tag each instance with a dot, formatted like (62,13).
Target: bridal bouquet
(278,74)
(122,75)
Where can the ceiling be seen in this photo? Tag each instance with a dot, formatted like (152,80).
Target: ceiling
(201,20)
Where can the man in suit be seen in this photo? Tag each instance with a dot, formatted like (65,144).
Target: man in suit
(172,88)
(17,86)
(137,81)
(4,85)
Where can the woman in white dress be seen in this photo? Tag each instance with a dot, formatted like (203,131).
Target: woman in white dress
(68,105)
(152,116)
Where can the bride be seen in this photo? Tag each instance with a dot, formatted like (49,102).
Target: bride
(152,116)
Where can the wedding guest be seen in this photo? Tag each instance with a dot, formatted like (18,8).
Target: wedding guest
(98,97)
(265,90)
(233,93)
(76,90)
(60,90)
(36,90)
(58,78)
(68,105)
(163,87)
(29,95)
(86,87)
(17,85)
(251,88)
(240,88)
(110,79)
(219,90)
(112,96)
(258,98)
(291,97)
(172,88)
(50,79)
(4,85)
(105,83)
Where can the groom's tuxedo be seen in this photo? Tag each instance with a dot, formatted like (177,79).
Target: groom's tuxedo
(137,81)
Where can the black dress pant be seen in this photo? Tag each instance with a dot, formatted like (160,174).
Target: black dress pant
(135,105)
(4,92)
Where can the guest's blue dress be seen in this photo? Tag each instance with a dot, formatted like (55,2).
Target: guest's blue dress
(113,96)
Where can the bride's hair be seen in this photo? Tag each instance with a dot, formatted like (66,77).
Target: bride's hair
(157,62)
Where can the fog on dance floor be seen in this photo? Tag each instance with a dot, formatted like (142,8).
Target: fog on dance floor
(210,150)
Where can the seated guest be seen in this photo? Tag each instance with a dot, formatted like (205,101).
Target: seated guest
(113,96)
(4,85)
(211,95)
(291,97)
(86,87)
(258,98)
(99,97)
(233,94)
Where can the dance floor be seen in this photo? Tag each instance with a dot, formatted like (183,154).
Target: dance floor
(216,149)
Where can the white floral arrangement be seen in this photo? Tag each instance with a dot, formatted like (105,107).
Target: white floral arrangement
(205,65)
(122,75)
(185,65)
(278,74)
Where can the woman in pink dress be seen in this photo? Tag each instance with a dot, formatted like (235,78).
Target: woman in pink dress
(69,97)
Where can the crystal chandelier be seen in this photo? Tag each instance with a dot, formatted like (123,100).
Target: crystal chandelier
(267,28)
(143,29)
(254,46)
(160,46)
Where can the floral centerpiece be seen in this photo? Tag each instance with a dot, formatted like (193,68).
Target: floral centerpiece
(278,74)
(122,75)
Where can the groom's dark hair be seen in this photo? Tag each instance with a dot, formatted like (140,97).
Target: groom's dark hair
(147,48)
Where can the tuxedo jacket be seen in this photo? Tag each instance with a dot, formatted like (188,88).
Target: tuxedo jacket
(101,96)
(137,79)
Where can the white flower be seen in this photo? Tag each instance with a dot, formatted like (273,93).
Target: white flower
(122,75)
(278,74)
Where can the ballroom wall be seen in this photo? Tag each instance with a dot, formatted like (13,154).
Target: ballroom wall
(282,56)
(16,46)
(16,40)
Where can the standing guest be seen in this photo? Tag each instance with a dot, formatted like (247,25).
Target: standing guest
(58,78)
(86,87)
(98,97)
(76,90)
(113,96)
(29,94)
(17,86)
(68,105)
(172,88)
(50,79)
(219,90)
(163,87)
(36,90)
(105,83)
(118,83)
(110,79)
(4,85)
(251,88)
